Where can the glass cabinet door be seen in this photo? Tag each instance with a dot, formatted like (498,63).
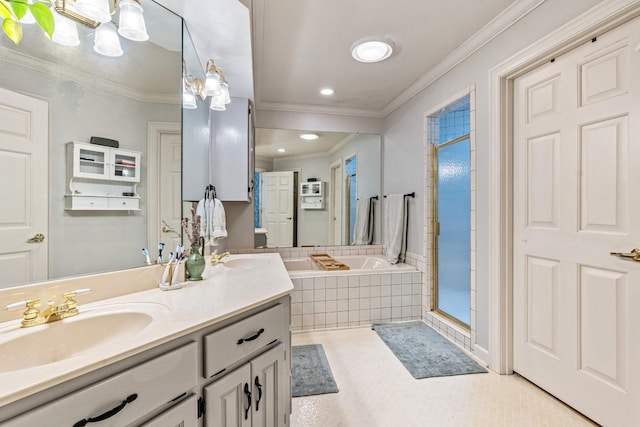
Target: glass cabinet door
(90,161)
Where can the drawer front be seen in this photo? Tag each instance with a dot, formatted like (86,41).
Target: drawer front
(154,383)
(183,414)
(89,203)
(125,204)
(238,340)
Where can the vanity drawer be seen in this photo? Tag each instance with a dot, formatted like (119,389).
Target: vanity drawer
(154,383)
(228,345)
(124,204)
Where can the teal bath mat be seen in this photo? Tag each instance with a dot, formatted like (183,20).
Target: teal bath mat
(310,371)
(424,352)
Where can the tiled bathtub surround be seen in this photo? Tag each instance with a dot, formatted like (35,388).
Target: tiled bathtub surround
(348,300)
(306,251)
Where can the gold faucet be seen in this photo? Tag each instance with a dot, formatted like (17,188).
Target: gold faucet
(216,259)
(32,316)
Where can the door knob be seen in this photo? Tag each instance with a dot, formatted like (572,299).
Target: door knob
(289,217)
(634,254)
(167,229)
(38,238)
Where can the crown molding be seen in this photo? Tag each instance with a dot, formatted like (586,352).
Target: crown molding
(319,109)
(494,28)
(64,72)
(514,13)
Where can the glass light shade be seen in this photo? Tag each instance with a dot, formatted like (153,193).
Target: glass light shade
(224,88)
(217,103)
(131,24)
(189,100)
(212,85)
(97,10)
(106,41)
(371,49)
(65,32)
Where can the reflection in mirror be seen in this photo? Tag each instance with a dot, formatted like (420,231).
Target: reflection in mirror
(54,94)
(318,191)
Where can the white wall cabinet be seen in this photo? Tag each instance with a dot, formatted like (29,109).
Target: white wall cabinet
(102,178)
(232,159)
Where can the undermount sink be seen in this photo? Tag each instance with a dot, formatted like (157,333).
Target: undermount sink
(92,329)
(245,263)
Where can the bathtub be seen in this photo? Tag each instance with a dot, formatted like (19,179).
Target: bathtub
(367,264)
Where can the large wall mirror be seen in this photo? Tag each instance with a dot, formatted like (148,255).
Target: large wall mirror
(134,99)
(316,188)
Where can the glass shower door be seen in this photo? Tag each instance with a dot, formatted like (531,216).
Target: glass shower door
(453,204)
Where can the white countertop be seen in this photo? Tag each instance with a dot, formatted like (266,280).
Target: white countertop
(225,291)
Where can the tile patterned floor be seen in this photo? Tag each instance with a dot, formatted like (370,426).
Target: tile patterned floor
(377,391)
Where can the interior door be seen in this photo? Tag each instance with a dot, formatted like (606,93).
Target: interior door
(24,188)
(336,204)
(277,208)
(170,188)
(576,157)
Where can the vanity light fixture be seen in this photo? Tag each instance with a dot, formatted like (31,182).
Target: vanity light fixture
(212,83)
(97,14)
(309,136)
(327,91)
(372,49)
(193,88)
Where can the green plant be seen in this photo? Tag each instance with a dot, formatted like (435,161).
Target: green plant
(12,11)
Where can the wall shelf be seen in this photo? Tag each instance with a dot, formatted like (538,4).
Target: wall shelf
(102,178)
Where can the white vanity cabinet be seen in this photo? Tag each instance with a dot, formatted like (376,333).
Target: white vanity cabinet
(256,393)
(250,396)
(123,398)
(236,372)
(102,178)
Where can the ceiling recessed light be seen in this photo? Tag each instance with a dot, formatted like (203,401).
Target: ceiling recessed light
(309,136)
(372,49)
(281,150)
(327,91)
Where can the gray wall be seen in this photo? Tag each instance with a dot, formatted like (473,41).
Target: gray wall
(80,241)
(404,131)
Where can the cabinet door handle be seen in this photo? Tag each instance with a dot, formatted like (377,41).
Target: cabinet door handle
(252,337)
(247,393)
(259,386)
(110,413)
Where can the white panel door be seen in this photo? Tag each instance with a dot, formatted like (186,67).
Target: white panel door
(277,208)
(170,188)
(336,204)
(24,188)
(576,199)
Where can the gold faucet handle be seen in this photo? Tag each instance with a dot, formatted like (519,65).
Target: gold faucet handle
(71,303)
(31,315)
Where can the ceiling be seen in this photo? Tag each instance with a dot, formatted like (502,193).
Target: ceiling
(268,141)
(301,46)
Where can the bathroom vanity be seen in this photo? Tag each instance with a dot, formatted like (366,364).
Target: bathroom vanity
(214,353)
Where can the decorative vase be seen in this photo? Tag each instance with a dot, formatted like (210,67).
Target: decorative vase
(195,263)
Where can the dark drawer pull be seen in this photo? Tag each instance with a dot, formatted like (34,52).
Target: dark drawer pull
(110,413)
(252,337)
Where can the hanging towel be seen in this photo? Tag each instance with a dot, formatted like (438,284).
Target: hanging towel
(205,211)
(219,223)
(363,228)
(213,222)
(395,229)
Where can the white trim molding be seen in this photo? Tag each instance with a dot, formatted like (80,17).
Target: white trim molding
(597,20)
